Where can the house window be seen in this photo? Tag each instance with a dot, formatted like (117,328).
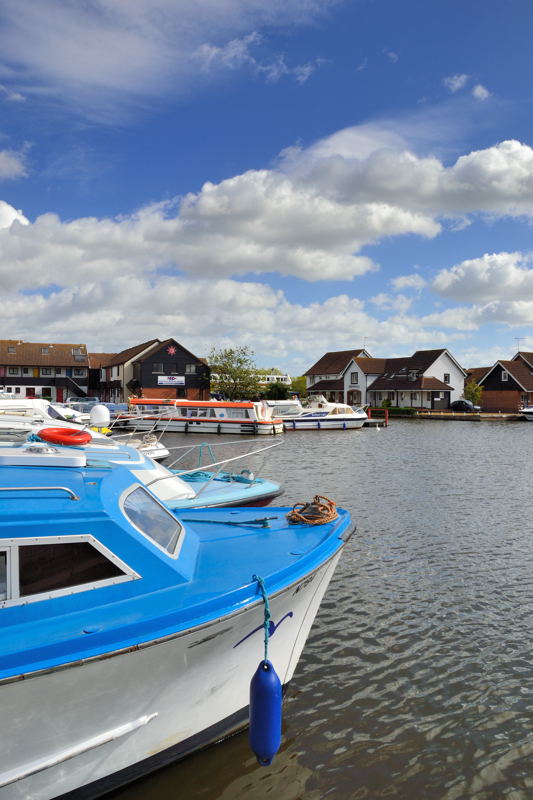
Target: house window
(190,368)
(11,349)
(415,396)
(59,370)
(79,373)
(354,377)
(76,351)
(46,370)
(25,370)
(12,370)
(505,375)
(157,367)
(428,396)
(44,351)
(17,389)
(446,377)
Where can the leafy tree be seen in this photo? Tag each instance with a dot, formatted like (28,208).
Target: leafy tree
(233,373)
(277,391)
(299,386)
(473,392)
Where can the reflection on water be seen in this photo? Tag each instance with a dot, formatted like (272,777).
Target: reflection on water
(416,679)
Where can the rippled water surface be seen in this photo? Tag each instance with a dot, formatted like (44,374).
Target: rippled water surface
(416,680)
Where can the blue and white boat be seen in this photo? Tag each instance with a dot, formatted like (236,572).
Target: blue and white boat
(130,635)
(317,414)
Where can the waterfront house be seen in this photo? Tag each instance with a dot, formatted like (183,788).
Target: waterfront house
(427,379)
(155,369)
(337,377)
(508,385)
(53,371)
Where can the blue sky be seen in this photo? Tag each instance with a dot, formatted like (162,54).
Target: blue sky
(297,176)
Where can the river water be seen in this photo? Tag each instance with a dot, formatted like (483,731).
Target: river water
(416,680)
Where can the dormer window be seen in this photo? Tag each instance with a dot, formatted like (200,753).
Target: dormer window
(11,349)
(44,351)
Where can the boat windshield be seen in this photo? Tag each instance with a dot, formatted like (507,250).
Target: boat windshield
(153,520)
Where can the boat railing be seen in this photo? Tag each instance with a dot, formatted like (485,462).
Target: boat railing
(217,466)
(73,495)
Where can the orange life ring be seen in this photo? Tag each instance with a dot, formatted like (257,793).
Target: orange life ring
(64,436)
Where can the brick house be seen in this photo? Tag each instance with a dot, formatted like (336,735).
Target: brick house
(53,371)
(155,369)
(508,385)
(331,376)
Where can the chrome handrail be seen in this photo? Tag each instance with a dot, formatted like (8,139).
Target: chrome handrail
(73,495)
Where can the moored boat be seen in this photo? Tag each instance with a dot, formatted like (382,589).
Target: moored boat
(527,411)
(199,416)
(131,635)
(320,414)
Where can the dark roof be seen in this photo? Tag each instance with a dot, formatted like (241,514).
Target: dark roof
(400,383)
(130,353)
(30,354)
(333,363)
(476,373)
(171,341)
(327,386)
(525,356)
(375,366)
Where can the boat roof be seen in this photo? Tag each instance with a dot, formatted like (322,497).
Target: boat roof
(210,576)
(135,401)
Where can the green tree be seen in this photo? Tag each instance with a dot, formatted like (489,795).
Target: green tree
(277,391)
(233,373)
(298,386)
(473,392)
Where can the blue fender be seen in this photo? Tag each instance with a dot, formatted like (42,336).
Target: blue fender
(265,713)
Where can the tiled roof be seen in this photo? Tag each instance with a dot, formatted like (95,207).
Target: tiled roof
(130,353)
(403,384)
(522,354)
(99,360)
(371,366)
(30,354)
(333,363)
(327,386)
(475,374)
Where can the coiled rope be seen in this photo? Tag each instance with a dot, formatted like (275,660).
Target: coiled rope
(319,511)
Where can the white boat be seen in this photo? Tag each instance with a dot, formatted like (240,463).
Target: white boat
(32,414)
(528,413)
(319,414)
(199,416)
(126,644)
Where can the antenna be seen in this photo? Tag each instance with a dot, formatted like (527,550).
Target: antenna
(518,339)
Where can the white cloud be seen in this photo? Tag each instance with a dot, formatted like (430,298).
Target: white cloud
(456,82)
(413,281)
(480,92)
(493,277)
(12,165)
(392,56)
(8,215)
(101,56)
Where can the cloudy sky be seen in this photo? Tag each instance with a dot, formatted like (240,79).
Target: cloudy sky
(298,176)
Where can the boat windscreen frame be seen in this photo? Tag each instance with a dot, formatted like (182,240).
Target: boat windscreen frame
(181,535)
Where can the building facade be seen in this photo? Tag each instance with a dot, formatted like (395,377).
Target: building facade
(52,371)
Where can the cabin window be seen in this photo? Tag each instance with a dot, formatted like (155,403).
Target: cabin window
(48,567)
(152,520)
(193,412)
(3,575)
(505,375)
(182,411)
(238,413)
(354,377)
(157,367)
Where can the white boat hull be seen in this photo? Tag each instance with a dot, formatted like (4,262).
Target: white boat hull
(249,428)
(105,721)
(310,424)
